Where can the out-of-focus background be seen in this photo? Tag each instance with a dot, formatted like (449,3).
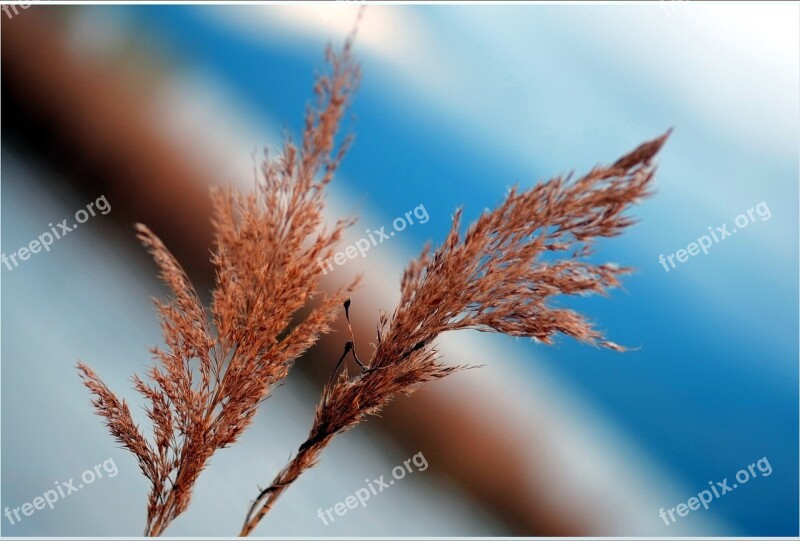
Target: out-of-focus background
(147,106)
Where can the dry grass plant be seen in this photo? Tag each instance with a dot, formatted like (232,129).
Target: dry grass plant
(218,366)
(501,275)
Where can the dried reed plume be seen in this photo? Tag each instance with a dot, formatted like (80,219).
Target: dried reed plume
(497,278)
(219,365)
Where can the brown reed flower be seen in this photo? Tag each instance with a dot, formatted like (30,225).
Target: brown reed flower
(218,366)
(501,276)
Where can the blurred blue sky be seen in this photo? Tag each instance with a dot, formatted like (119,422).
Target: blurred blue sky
(458,103)
(518,94)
